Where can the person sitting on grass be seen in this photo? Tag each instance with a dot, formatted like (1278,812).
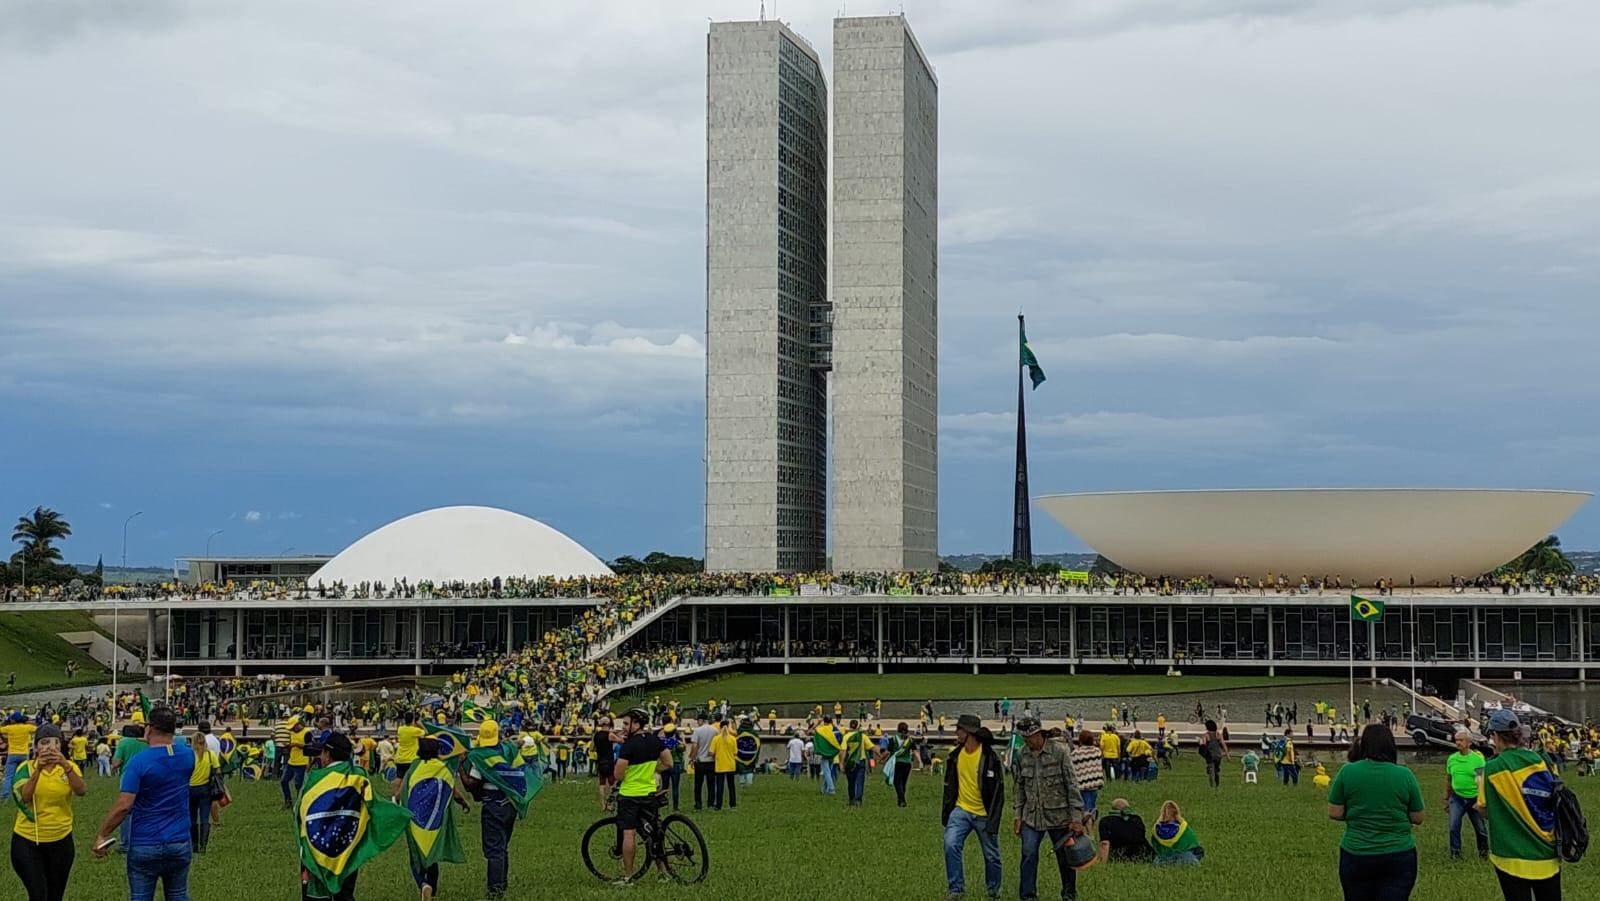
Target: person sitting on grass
(1122,834)
(1175,844)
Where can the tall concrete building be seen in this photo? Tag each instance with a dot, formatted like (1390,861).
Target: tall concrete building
(766,300)
(885,298)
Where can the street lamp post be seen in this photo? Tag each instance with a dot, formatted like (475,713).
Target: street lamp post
(208,541)
(125,537)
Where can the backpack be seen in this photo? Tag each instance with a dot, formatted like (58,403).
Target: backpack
(1572,830)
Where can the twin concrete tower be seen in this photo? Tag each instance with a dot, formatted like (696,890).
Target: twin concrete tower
(776,336)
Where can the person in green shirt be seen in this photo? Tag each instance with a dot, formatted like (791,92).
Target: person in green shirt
(1520,791)
(1463,793)
(901,747)
(1379,801)
(128,746)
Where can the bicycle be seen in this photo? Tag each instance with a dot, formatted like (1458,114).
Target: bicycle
(673,842)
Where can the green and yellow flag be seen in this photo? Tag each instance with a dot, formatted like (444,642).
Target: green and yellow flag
(504,767)
(1365,609)
(1035,372)
(343,825)
(453,743)
(427,795)
(472,713)
(827,741)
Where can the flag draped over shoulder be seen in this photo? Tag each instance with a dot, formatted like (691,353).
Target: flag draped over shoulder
(343,825)
(1175,838)
(453,743)
(826,740)
(427,796)
(504,767)
(1035,371)
(1365,609)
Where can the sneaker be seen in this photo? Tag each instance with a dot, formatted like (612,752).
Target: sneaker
(621,881)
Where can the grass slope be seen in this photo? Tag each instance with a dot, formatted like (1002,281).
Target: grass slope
(29,647)
(776,688)
(1263,843)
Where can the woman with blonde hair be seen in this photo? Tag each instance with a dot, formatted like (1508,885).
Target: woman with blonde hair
(1174,842)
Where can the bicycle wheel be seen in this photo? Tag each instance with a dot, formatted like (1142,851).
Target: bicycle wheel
(602,851)
(683,850)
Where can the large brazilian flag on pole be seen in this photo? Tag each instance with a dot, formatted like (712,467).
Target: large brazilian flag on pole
(1365,609)
(428,795)
(343,825)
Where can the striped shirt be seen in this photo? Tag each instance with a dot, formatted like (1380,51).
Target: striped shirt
(1086,766)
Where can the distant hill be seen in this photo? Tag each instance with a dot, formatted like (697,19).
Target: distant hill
(1585,561)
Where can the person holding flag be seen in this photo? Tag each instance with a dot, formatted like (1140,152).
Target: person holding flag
(429,790)
(498,776)
(342,822)
(826,743)
(897,757)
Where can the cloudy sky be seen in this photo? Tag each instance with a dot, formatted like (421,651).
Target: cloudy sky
(293,269)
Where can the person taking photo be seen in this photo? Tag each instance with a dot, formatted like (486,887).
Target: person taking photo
(41,835)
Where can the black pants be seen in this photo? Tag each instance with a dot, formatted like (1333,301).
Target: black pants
(1214,772)
(1514,888)
(1378,877)
(346,892)
(43,868)
(902,773)
(724,791)
(498,818)
(706,779)
(674,778)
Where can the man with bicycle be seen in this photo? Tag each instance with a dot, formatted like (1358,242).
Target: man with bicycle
(642,757)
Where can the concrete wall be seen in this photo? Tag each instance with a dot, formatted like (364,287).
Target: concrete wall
(885,298)
(765,404)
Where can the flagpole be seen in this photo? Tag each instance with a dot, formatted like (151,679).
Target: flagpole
(1021,526)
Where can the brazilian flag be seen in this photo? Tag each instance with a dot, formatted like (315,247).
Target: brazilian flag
(746,748)
(427,795)
(1365,609)
(504,767)
(23,774)
(826,742)
(230,748)
(453,743)
(343,824)
(472,713)
(1035,371)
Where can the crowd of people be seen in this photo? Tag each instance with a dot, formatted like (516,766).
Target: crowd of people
(912,584)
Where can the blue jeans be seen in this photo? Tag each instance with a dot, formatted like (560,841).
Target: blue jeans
(956,831)
(793,770)
(498,819)
(1186,859)
(1467,807)
(827,776)
(1089,800)
(1031,837)
(295,774)
(167,862)
(857,784)
(12,762)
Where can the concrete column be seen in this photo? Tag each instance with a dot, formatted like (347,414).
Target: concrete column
(1072,634)
(149,641)
(877,622)
(509,648)
(1477,655)
(1171,649)
(1272,668)
(788,615)
(416,639)
(327,639)
(694,625)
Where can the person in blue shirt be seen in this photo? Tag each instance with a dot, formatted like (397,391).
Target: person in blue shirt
(155,799)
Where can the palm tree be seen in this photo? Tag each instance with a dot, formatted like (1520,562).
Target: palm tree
(36,531)
(1545,558)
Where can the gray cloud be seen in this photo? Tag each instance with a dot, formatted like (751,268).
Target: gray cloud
(42,24)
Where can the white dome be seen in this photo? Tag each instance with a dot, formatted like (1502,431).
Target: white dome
(460,544)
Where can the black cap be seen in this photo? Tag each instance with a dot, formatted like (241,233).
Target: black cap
(338,746)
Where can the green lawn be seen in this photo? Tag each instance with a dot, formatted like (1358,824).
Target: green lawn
(29,647)
(761,689)
(1263,843)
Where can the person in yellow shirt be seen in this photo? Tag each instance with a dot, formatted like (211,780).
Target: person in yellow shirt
(294,770)
(974,804)
(80,749)
(1110,750)
(1139,754)
(18,732)
(41,835)
(725,755)
(405,749)
(206,762)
